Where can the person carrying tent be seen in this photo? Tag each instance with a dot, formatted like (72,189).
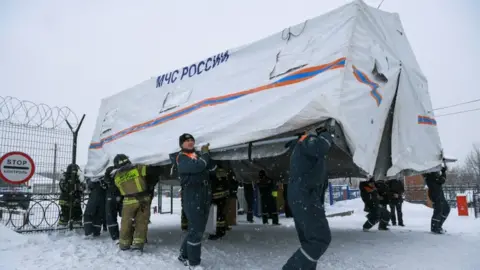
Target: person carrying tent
(441,209)
(113,204)
(220,192)
(376,213)
(384,196)
(94,215)
(397,189)
(267,188)
(232,201)
(131,181)
(193,170)
(308,175)
(72,186)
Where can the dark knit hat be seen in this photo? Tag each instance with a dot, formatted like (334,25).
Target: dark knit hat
(184,137)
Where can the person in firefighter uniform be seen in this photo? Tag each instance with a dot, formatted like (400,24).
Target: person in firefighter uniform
(232,201)
(72,184)
(113,204)
(131,181)
(376,213)
(308,175)
(441,209)
(193,169)
(94,215)
(268,192)
(220,193)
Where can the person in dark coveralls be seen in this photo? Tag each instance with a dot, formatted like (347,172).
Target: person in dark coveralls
(113,205)
(94,215)
(220,192)
(376,214)
(248,193)
(441,209)
(193,170)
(74,186)
(397,189)
(308,175)
(131,181)
(266,186)
(384,195)
(183,217)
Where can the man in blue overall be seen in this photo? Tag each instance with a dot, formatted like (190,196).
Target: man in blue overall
(193,170)
(308,176)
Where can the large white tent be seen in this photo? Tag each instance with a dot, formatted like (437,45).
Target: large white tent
(353,64)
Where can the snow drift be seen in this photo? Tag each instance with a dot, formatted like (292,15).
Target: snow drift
(353,64)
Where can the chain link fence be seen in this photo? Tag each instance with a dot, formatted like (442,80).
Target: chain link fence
(418,194)
(43,133)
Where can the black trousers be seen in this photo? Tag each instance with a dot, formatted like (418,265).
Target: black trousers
(377,214)
(94,215)
(441,209)
(396,206)
(113,209)
(269,206)
(248,193)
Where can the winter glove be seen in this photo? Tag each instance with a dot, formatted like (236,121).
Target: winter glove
(205,148)
(108,172)
(103,184)
(312,132)
(330,126)
(90,184)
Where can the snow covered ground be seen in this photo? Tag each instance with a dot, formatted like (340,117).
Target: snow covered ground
(254,246)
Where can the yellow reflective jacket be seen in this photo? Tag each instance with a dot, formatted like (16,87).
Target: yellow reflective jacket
(131,181)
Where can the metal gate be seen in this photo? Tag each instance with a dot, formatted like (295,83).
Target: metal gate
(48,136)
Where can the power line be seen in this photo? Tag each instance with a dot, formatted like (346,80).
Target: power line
(455,105)
(460,112)
(380,4)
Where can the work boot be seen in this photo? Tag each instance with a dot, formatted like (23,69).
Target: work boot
(383,228)
(438,231)
(137,248)
(401,224)
(220,233)
(250,217)
(275,219)
(124,247)
(183,260)
(265,219)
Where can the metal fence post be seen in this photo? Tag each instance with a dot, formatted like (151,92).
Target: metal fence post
(348,192)
(71,185)
(159,198)
(171,200)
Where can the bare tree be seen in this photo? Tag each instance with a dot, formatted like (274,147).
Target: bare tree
(472,165)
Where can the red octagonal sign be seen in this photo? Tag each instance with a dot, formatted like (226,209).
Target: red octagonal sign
(16,168)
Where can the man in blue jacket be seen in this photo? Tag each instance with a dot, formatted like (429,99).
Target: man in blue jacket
(441,209)
(308,176)
(193,171)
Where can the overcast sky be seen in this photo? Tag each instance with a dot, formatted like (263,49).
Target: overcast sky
(73,53)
